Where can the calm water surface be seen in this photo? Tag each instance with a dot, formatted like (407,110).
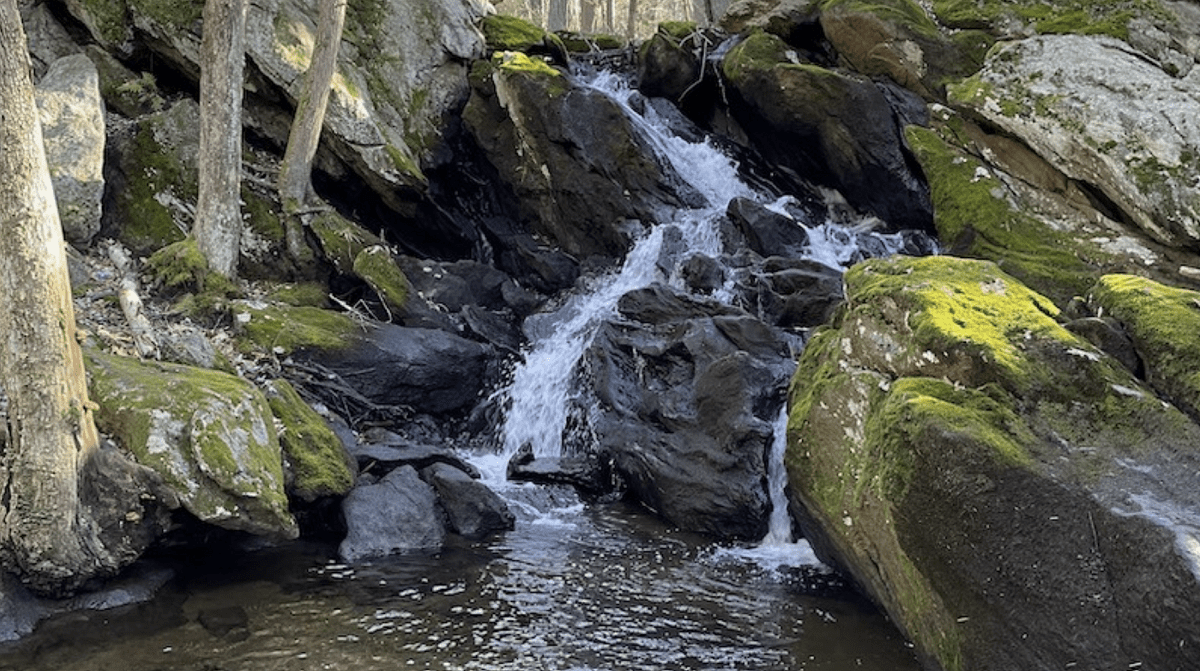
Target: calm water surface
(597,588)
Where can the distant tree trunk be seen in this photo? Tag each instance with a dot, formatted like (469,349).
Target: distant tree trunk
(631,28)
(610,15)
(587,16)
(218,226)
(50,433)
(295,176)
(556,15)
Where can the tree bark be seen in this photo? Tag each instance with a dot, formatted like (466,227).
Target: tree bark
(218,226)
(295,175)
(49,421)
(631,28)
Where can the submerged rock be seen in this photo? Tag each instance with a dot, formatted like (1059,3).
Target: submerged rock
(397,514)
(1010,495)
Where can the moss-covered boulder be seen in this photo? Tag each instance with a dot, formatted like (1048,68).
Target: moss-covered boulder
(994,198)
(834,128)
(376,266)
(670,63)
(1163,323)
(209,435)
(897,39)
(1011,497)
(316,460)
(1103,115)
(285,329)
(510,33)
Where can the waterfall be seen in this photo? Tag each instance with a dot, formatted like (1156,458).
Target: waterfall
(779,526)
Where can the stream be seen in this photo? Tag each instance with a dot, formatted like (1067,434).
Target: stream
(573,588)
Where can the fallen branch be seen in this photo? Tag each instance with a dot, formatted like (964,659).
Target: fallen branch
(144,338)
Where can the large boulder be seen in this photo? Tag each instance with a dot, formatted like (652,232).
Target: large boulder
(72,115)
(472,509)
(1106,116)
(397,514)
(1010,495)
(578,167)
(428,370)
(209,435)
(831,127)
(317,463)
(681,401)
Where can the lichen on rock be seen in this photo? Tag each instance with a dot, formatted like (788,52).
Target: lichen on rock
(209,435)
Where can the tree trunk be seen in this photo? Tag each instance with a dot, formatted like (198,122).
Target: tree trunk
(295,175)
(49,421)
(218,226)
(631,28)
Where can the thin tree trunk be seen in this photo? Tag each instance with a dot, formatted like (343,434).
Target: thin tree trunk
(295,176)
(218,227)
(610,15)
(631,28)
(49,420)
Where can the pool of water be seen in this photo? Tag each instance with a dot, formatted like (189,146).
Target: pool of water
(572,588)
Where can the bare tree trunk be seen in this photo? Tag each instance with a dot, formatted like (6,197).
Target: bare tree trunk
(49,421)
(218,227)
(295,176)
(587,16)
(631,28)
(610,15)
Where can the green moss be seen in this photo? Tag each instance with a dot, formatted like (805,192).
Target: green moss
(341,240)
(965,307)
(150,224)
(899,12)
(403,162)
(308,294)
(263,215)
(517,62)
(181,266)
(314,452)
(375,266)
(1163,323)
(287,329)
(974,218)
(1085,17)
(209,435)
(110,19)
(759,51)
(175,14)
(509,33)
(677,30)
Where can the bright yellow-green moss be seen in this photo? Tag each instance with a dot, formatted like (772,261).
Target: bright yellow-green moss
(1085,17)
(375,266)
(181,266)
(287,329)
(341,240)
(679,30)
(759,51)
(515,61)
(974,217)
(1164,323)
(966,306)
(315,453)
(509,33)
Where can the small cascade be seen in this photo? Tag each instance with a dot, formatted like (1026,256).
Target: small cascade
(779,529)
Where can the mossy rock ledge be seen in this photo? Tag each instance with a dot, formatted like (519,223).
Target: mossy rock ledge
(209,435)
(1011,496)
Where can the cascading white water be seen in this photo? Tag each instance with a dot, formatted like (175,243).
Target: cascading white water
(779,525)
(540,394)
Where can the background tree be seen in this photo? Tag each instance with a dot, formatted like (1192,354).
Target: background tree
(295,175)
(50,433)
(218,227)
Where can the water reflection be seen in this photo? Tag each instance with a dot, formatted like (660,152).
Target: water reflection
(605,588)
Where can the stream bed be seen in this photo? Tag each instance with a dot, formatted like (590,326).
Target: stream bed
(571,588)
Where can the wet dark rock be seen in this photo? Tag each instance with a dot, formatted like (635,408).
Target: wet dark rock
(576,165)
(397,514)
(222,622)
(472,509)
(767,232)
(497,328)
(659,304)
(794,292)
(587,473)
(429,370)
(668,67)
(1107,334)
(834,128)
(702,274)
(390,455)
(684,411)
(456,285)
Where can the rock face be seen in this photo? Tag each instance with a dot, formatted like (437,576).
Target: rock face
(1105,116)
(209,436)
(397,514)
(72,116)
(832,127)
(577,167)
(992,480)
(472,510)
(683,409)
(430,371)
